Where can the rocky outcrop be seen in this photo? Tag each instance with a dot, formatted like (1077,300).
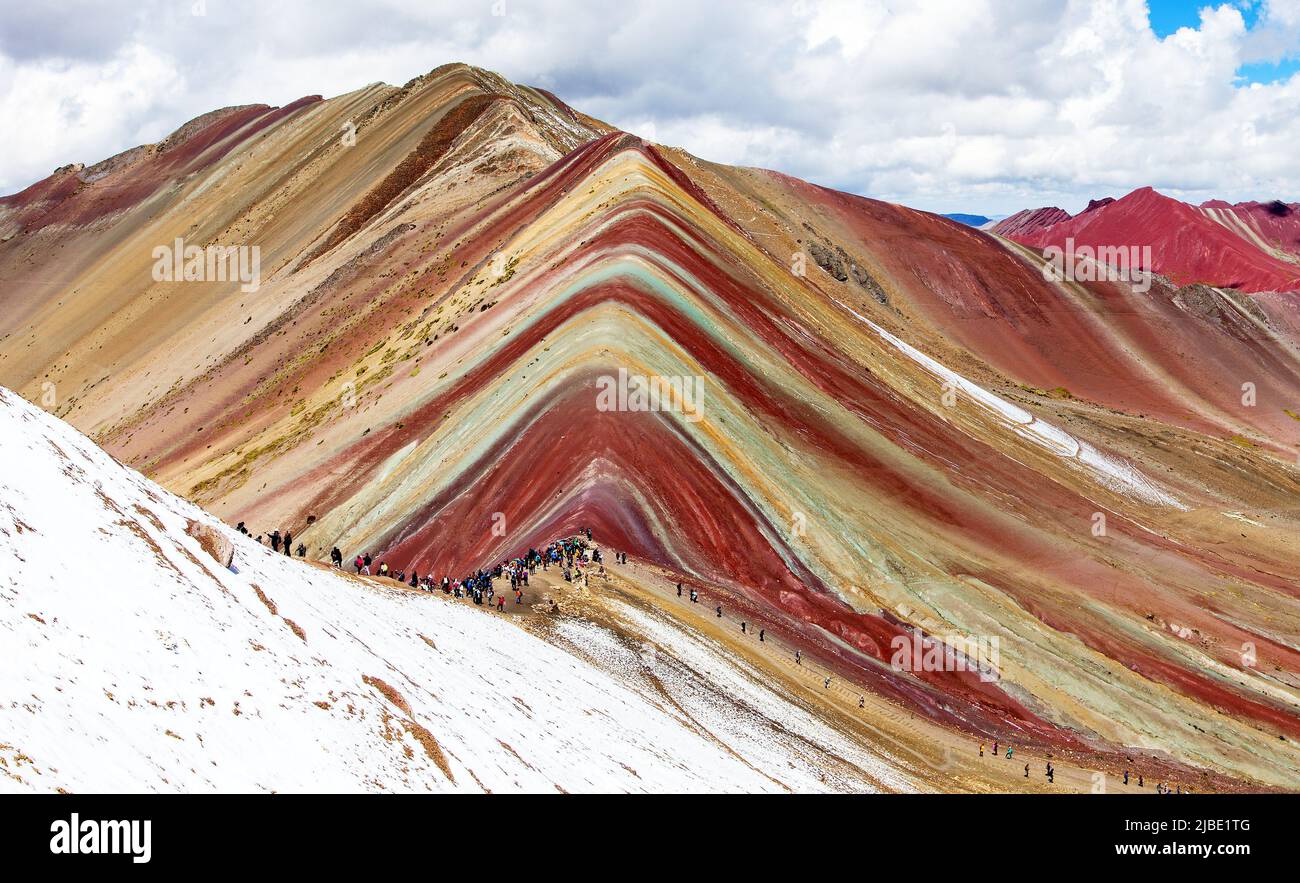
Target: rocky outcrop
(213,541)
(837,262)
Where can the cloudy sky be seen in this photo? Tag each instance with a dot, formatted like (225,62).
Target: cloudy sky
(946,105)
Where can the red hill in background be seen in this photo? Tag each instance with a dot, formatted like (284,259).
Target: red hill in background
(1250,246)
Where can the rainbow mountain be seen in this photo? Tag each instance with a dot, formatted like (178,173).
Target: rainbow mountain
(878,427)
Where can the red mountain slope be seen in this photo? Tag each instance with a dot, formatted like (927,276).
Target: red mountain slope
(1243,247)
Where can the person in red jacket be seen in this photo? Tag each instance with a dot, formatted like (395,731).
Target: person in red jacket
(501,603)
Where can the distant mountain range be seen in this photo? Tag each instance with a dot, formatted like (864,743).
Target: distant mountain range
(968,220)
(1250,246)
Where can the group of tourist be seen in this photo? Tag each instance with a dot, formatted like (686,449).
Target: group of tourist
(277,541)
(575,555)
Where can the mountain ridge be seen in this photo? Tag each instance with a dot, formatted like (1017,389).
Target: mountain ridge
(1248,246)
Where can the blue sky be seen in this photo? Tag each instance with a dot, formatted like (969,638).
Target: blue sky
(1167,16)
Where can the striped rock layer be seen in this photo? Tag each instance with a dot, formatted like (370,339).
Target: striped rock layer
(897,426)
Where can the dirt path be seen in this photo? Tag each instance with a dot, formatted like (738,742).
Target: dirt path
(940,758)
(943,759)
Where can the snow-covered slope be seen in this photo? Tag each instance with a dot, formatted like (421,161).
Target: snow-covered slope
(133,660)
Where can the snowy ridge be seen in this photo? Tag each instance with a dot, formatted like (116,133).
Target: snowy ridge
(136,662)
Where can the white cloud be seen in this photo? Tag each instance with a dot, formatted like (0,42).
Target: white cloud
(956,105)
(87,110)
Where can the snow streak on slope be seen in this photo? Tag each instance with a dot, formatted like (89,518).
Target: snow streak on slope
(1107,469)
(135,661)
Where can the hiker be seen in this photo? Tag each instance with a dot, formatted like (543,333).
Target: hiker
(798,658)
(275,541)
(415,580)
(383,568)
(743,629)
(366,566)
(695,596)
(519,596)
(1051,774)
(862,702)
(1125,777)
(981,749)
(1026,771)
(336,557)
(359,563)
(761,633)
(302,550)
(501,603)
(240,527)
(1139,780)
(288,542)
(827,684)
(1010,751)
(995,747)
(679,590)
(719,611)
